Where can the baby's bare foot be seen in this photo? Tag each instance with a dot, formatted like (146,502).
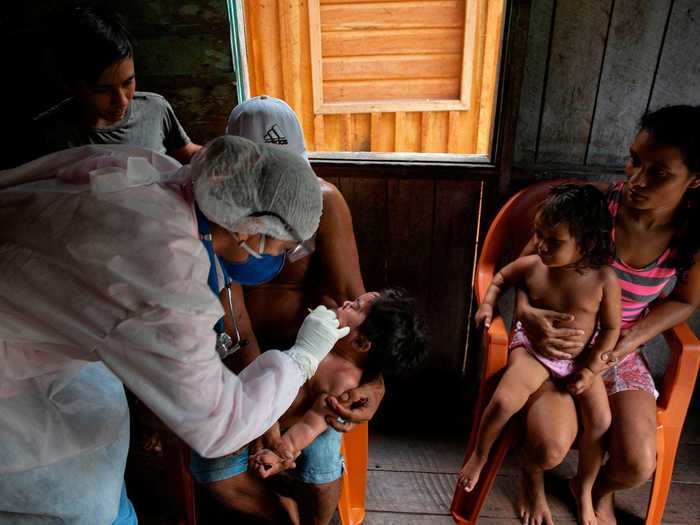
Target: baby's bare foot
(584,503)
(605,509)
(532,501)
(469,475)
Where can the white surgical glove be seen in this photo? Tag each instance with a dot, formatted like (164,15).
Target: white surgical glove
(317,336)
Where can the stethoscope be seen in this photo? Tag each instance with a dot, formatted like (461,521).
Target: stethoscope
(225,345)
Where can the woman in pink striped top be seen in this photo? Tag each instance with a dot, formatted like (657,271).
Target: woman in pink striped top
(657,262)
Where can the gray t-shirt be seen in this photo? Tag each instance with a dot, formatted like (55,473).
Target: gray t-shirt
(149,122)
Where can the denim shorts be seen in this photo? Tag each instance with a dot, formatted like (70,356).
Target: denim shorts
(320,462)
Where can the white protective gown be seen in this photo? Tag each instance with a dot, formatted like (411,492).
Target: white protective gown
(112,271)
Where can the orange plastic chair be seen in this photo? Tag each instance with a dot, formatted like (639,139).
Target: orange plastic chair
(351,505)
(513,225)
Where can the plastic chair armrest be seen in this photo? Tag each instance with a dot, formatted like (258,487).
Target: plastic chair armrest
(495,341)
(680,376)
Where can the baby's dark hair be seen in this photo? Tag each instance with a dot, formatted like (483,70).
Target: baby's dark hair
(90,38)
(397,334)
(584,209)
(679,127)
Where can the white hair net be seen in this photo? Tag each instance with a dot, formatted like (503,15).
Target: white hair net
(234,177)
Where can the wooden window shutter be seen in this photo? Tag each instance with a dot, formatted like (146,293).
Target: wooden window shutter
(402,76)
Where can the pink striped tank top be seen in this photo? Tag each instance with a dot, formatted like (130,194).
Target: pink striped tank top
(640,286)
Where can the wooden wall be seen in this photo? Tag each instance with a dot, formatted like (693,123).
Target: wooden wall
(418,233)
(593,68)
(184,53)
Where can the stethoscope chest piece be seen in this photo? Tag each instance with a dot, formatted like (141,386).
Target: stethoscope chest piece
(225,346)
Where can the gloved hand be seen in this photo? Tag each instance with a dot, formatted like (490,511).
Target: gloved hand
(317,336)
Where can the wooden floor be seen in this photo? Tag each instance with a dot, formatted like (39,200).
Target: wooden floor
(412,477)
(413,470)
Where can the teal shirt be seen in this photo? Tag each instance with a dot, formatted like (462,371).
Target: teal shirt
(150,122)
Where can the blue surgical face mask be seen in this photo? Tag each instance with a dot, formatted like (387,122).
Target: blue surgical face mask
(259,268)
(255,271)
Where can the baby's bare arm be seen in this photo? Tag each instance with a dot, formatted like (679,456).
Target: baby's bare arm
(302,433)
(509,275)
(333,377)
(609,317)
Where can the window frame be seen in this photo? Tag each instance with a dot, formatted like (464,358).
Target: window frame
(479,161)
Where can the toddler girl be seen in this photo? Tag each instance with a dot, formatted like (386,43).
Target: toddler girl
(568,274)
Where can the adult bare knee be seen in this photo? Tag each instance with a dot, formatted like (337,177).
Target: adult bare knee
(546,450)
(632,442)
(632,467)
(249,495)
(229,491)
(547,454)
(550,426)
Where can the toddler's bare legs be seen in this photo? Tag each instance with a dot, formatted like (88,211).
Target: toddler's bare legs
(595,417)
(550,426)
(522,378)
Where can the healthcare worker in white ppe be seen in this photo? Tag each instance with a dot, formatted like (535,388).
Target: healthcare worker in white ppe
(107,254)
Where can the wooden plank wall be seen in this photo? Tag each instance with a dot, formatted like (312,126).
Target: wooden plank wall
(592,69)
(184,53)
(417,234)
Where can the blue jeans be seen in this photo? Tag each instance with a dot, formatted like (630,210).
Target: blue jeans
(319,463)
